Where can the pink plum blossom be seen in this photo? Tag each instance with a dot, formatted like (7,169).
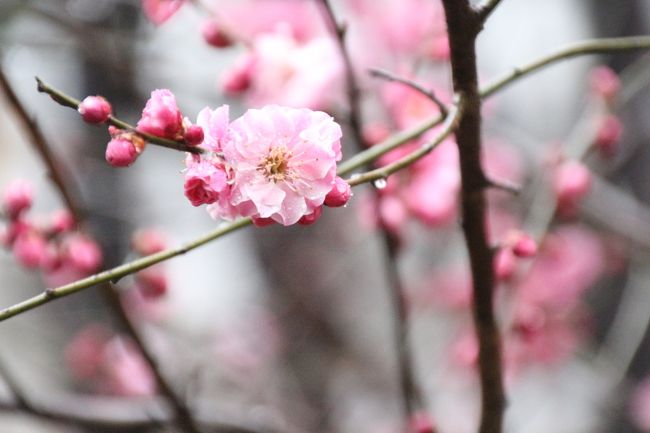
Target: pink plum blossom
(161,116)
(95,109)
(287,72)
(159,11)
(571,183)
(340,193)
(82,253)
(215,127)
(604,82)
(30,249)
(214,34)
(205,180)
(148,241)
(126,371)
(608,135)
(283,160)
(121,152)
(17,197)
(193,135)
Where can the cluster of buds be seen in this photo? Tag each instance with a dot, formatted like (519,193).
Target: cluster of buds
(54,247)
(605,87)
(516,245)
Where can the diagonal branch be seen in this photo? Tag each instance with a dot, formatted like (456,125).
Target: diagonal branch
(486,9)
(380,73)
(54,166)
(68,101)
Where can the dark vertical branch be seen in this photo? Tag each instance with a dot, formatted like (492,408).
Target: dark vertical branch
(464,24)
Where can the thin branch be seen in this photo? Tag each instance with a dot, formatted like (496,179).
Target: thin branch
(118,272)
(68,101)
(380,73)
(54,166)
(592,46)
(122,416)
(503,185)
(352,87)
(486,9)
(448,128)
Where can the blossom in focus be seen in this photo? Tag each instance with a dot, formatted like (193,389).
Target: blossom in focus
(215,126)
(95,109)
(161,116)
(159,11)
(205,180)
(283,160)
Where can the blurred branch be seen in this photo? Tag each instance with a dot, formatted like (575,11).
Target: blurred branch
(68,101)
(592,46)
(352,86)
(184,417)
(122,415)
(380,73)
(55,169)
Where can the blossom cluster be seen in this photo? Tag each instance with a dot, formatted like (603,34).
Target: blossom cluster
(50,244)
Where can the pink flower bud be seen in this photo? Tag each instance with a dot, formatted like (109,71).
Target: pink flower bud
(95,109)
(61,221)
(571,183)
(82,253)
(604,82)
(237,80)
(30,249)
(214,35)
(194,135)
(84,353)
(121,152)
(14,229)
(340,193)
(148,241)
(161,116)
(17,198)
(306,220)
(262,222)
(159,11)
(523,245)
(152,282)
(421,422)
(608,135)
(504,264)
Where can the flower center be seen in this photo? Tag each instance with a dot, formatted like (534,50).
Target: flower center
(275,165)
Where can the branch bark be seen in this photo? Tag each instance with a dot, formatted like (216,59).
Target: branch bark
(464,24)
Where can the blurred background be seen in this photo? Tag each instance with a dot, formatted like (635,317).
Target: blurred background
(291,328)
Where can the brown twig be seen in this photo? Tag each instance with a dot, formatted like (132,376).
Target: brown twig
(485,10)
(380,73)
(351,84)
(54,166)
(464,24)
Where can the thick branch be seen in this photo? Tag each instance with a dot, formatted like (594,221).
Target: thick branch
(68,101)
(463,25)
(37,139)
